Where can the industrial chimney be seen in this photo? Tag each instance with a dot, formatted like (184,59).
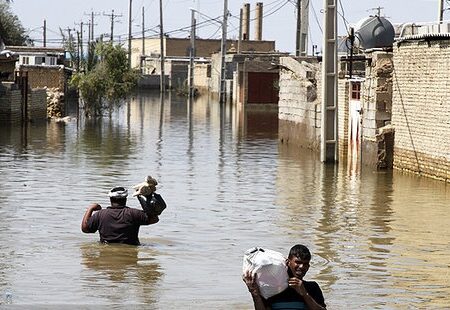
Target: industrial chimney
(246,22)
(258,21)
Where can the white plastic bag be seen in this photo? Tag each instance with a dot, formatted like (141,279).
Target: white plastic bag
(270,269)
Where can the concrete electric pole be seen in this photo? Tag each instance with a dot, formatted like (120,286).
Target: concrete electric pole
(223,51)
(113,18)
(161,41)
(441,11)
(192,55)
(129,33)
(329,137)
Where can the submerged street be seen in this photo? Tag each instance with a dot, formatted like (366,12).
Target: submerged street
(379,240)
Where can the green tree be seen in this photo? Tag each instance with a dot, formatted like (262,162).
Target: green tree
(110,79)
(11,29)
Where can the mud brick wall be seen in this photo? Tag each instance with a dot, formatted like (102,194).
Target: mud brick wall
(299,108)
(421,108)
(45,76)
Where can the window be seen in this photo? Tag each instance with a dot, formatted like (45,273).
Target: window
(52,61)
(356,90)
(39,60)
(25,60)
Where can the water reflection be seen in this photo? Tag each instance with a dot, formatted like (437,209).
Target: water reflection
(125,274)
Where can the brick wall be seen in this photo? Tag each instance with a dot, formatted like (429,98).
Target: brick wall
(45,76)
(343,117)
(299,104)
(421,108)
(37,105)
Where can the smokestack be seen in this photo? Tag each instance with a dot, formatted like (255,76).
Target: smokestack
(258,21)
(246,22)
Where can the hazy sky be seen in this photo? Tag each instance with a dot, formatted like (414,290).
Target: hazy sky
(279,21)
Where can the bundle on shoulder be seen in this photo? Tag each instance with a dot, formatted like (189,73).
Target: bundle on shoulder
(270,269)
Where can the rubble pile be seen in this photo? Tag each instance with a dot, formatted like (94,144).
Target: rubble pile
(55,99)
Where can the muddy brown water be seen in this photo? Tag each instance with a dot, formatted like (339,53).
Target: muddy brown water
(379,240)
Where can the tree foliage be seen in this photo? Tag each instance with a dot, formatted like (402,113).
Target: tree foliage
(11,29)
(110,78)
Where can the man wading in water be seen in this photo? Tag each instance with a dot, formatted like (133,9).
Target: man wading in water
(117,223)
(300,294)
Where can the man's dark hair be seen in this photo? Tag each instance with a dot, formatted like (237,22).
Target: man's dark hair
(119,201)
(300,251)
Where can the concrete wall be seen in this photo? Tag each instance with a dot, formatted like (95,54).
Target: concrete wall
(299,104)
(202,80)
(10,105)
(421,109)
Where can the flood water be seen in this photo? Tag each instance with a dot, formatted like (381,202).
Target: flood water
(379,240)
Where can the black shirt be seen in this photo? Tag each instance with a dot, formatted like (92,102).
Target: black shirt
(289,299)
(118,224)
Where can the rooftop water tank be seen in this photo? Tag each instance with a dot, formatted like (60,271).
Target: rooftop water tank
(374,32)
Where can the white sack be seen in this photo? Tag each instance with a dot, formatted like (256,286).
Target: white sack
(270,269)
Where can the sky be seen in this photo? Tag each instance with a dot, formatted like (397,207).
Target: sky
(279,22)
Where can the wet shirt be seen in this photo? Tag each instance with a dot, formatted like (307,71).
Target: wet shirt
(118,224)
(289,299)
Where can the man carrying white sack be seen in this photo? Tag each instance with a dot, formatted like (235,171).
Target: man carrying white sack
(300,294)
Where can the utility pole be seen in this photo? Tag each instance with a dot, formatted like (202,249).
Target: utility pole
(143,31)
(329,136)
(91,38)
(441,11)
(297,38)
(161,41)
(45,33)
(192,55)
(78,51)
(92,25)
(129,34)
(304,26)
(112,16)
(80,43)
(223,70)
(240,31)
(301,42)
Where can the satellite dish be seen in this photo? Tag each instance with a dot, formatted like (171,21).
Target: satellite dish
(374,32)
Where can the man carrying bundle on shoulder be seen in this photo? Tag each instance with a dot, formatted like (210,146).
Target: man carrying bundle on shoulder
(300,294)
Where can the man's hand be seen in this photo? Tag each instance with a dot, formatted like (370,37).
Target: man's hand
(250,281)
(84,222)
(298,286)
(95,207)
